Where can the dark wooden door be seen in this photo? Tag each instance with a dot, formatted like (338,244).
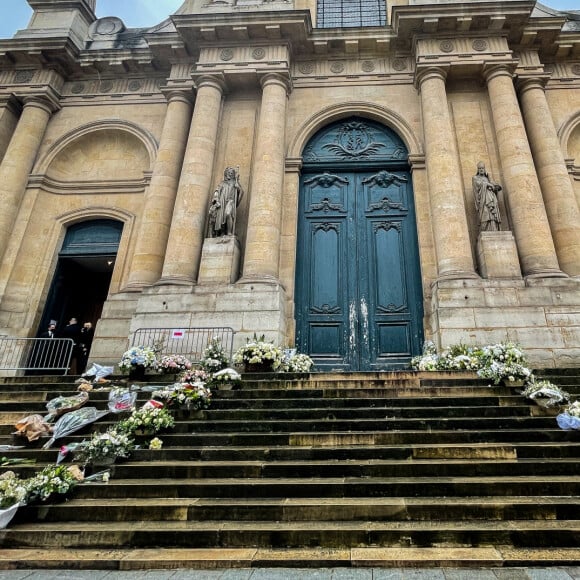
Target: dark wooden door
(358,286)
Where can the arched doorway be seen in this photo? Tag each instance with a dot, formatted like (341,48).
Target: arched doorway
(83,273)
(359,303)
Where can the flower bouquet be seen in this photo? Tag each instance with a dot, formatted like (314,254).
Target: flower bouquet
(12,494)
(195,376)
(214,356)
(297,363)
(226,379)
(507,373)
(105,447)
(138,358)
(570,418)
(193,396)
(147,420)
(545,394)
(173,364)
(54,479)
(258,355)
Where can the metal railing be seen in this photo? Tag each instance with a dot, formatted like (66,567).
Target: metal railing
(189,342)
(36,354)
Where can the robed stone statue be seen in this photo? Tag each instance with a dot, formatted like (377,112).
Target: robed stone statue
(224,205)
(486,202)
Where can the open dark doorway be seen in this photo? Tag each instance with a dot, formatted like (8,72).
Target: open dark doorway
(79,288)
(83,274)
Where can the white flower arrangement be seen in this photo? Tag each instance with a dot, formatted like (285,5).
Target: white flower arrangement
(226,377)
(549,394)
(259,352)
(194,396)
(148,419)
(138,356)
(497,362)
(12,490)
(174,363)
(52,479)
(214,356)
(105,446)
(297,363)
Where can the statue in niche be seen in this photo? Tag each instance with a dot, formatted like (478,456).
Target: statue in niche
(486,202)
(224,205)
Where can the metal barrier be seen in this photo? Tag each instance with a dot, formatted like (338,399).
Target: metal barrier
(189,342)
(36,354)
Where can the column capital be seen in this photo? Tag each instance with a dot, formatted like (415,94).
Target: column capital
(536,81)
(45,102)
(279,78)
(214,80)
(494,70)
(172,94)
(426,72)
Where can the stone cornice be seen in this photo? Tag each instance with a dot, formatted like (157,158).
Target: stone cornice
(100,186)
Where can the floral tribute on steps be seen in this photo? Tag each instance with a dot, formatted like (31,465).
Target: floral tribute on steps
(67,415)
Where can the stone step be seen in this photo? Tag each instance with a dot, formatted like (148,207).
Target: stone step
(375,468)
(472,451)
(335,534)
(332,487)
(388,424)
(335,438)
(373,509)
(8,416)
(128,559)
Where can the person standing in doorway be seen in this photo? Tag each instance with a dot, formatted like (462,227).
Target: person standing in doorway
(72,330)
(84,346)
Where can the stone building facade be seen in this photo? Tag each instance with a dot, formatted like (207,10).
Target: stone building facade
(354,129)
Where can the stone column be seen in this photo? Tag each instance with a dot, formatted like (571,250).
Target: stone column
(189,215)
(263,239)
(558,192)
(153,233)
(19,160)
(529,219)
(450,229)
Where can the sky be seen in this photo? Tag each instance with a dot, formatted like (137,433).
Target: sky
(15,14)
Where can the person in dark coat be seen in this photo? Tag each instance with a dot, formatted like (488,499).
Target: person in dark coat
(73,330)
(84,347)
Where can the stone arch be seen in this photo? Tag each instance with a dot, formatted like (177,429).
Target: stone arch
(64,220)
(328,115)
(569,134)
(99,150)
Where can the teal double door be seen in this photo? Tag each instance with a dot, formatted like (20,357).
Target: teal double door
(359,299)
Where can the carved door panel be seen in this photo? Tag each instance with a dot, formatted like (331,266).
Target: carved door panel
(358,293)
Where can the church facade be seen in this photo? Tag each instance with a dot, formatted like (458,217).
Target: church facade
(347,177)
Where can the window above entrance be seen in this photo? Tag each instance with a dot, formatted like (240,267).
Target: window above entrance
(350,13)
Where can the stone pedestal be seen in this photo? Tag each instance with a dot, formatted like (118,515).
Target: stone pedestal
(497,255)
(220,261)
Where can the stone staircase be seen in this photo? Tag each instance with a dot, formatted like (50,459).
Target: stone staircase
(376,469)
